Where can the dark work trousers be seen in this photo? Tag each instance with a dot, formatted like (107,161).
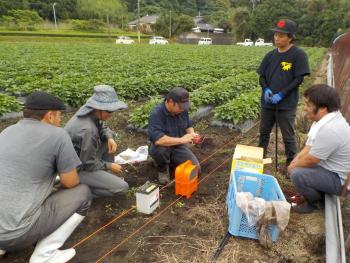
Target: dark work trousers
(286,123)
(314,182)
(55,210)
(170,157)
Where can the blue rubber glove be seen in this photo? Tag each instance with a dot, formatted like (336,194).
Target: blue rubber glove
(276,98)
(267,95)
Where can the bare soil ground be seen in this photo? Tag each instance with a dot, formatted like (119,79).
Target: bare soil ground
(191,229)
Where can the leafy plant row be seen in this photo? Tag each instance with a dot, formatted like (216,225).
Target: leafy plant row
(219,92)
(70,71)
(245,107)
(214,75)
(213,94)
(139,117)
(9,104)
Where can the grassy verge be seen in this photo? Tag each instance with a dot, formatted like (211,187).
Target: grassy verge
(70,33)
(60,39)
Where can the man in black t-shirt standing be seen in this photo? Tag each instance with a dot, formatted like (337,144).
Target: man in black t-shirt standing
(281,73)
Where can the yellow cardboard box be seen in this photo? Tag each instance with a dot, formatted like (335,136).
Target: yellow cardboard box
(249,158)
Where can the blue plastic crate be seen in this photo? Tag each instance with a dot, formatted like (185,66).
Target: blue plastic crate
(260,185)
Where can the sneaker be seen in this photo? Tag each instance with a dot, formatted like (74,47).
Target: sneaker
(304,208)
(163,177)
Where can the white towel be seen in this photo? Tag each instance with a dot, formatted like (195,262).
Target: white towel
(315,127)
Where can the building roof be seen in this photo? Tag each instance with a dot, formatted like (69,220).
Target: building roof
(202,26)
(205,27)
(148,19)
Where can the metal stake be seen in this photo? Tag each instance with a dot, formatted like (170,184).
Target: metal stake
(221,247)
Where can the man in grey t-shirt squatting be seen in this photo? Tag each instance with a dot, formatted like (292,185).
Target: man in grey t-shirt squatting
(324,163)
(32,152)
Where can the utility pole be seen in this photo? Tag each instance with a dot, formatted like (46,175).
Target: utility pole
(108,27)
(54,14)
(170,26)
(254,3)
(138,21)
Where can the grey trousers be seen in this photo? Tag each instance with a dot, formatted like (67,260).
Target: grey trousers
(172,156)
(56,209)
(314,182)
(103,183)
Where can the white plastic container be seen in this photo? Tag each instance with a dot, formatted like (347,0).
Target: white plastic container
(147,198)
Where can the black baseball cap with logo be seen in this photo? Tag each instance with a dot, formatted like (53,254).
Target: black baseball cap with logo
(180,96)
(286,26)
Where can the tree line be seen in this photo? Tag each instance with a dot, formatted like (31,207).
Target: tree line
(319,21)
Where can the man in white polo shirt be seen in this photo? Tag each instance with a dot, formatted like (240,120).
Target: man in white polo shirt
(324,163)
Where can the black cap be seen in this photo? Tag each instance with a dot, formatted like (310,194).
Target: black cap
(286,26)
(180,96)
(40,100)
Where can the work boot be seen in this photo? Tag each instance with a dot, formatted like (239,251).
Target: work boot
(164,177)
(47,249)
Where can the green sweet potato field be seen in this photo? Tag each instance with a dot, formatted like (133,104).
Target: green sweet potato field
(220,76)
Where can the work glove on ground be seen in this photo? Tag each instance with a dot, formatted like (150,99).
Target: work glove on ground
(276,98)
(267,95)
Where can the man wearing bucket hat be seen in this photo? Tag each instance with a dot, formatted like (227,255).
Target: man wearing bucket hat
(170,130)
(32,153)
(281,73)
(95,144)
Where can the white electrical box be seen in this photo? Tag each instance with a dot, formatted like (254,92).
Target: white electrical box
(147,198)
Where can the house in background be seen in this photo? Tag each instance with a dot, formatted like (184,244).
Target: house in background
(202,26)
(203,29)
(146,23)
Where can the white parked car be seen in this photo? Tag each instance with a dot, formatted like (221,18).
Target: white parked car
(247,42)
(261,43)
(158,41)
(124,40)
(205,41)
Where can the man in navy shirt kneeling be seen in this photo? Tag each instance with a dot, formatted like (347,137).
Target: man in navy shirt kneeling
(170,130)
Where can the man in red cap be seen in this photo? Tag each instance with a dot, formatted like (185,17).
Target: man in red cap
(170,130)
(281,73)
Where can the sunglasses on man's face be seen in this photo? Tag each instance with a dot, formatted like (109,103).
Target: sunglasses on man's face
(110,112)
